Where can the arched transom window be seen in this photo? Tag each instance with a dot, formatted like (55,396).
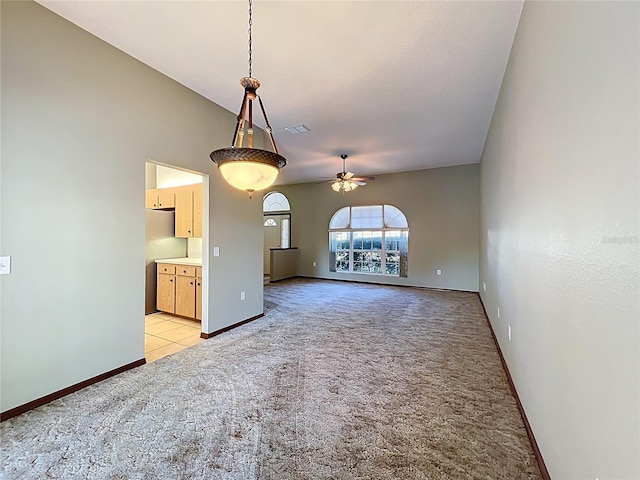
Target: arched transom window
(275,202)
(369,239)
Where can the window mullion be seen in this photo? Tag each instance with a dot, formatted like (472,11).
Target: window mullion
(383,254)
(351,254)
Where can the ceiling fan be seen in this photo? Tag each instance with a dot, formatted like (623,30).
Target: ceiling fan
(347,181)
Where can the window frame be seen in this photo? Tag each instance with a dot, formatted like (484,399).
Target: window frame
(279,199)
(381,233)
(283,215)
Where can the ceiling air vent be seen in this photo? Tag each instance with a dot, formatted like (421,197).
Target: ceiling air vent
(297,129)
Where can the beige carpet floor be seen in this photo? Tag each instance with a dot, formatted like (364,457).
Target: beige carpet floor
(337,381)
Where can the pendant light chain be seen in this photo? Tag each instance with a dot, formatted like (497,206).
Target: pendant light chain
(248,168)
(250,39)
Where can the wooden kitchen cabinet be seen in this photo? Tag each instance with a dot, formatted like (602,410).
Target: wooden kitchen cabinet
(161,198)
(166,292)
(187,203)
(197,210)
(199,293)
(186,296)
(189,211)
(178,290)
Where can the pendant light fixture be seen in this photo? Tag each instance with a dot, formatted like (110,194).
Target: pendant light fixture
(245,167)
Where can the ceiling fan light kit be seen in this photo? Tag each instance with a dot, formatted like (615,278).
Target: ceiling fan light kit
(245,167)
(344,186)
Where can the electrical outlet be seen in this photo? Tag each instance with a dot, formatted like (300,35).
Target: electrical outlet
(484,287)
(438,272)
(243,295)
(314,264)
(5,265)
(509,331)
(216,251)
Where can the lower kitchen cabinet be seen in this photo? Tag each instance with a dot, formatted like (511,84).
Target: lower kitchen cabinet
(177,290)
(166,292)
(199,293)
(186,291)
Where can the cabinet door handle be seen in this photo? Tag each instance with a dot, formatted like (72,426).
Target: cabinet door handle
(171,280)
(190,283)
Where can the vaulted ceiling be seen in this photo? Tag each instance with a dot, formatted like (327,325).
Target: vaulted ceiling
(397,85)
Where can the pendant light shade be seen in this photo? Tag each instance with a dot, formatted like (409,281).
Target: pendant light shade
(244,167)
(248,169)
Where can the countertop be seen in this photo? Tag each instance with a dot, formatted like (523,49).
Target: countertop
(197,262)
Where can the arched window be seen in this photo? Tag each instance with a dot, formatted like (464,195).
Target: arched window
(369,239)
(270,222)
(275,202)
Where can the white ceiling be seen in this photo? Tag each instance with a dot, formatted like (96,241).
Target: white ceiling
(397,85)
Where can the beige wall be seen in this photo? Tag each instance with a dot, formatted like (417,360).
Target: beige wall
(79,120)
(283,263)
(441,205)
(560,238)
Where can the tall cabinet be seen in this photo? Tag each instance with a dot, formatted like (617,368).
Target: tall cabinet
(188,201)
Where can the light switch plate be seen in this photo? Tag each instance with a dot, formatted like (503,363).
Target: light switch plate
(216,251)
(5,265)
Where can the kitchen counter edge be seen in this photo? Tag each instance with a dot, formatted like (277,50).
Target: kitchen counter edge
(195,262)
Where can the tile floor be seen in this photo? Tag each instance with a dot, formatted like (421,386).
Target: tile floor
(166,334)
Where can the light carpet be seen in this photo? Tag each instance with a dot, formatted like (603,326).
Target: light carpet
(338,381)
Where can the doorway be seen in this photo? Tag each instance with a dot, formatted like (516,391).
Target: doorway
(176,235)
(277,226)
(277,234)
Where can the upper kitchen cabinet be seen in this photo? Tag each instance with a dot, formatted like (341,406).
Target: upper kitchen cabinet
(161,198)
(188,201)
(197,210)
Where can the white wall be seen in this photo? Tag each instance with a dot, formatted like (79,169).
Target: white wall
(79,120)
(441,206)
(560,236)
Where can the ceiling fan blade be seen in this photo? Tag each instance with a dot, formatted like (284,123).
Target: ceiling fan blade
(363,178)
(348,175)
(359,182)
